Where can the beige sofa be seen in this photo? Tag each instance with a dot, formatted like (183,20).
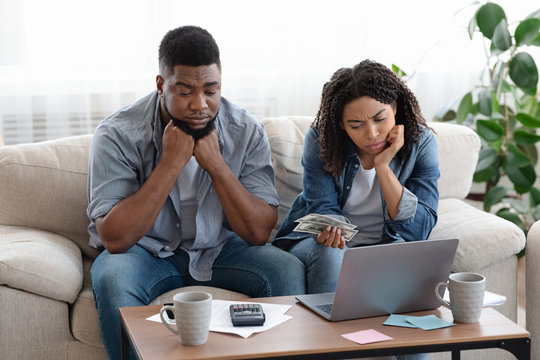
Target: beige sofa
(47,306)
(532,288)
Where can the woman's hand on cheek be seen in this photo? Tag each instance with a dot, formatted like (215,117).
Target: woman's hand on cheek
(395,140)
(396,137)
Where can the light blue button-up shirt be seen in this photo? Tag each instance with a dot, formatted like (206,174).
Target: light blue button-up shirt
(418,173)
(126,148)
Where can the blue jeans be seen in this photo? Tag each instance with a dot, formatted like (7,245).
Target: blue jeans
(136,277)
(322,264)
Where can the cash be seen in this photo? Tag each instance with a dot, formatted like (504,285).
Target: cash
(316,223)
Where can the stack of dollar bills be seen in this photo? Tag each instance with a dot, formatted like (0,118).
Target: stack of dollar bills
(316,223)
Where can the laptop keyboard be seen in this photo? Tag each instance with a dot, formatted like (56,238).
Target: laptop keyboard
(327,308)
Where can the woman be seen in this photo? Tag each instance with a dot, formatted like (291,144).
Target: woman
(369,159)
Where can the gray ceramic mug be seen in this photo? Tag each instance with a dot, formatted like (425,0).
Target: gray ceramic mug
(466,296)
(192,312)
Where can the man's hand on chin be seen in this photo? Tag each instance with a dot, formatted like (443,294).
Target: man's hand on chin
(207,152)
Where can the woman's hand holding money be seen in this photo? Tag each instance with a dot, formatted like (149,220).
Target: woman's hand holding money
(331,237)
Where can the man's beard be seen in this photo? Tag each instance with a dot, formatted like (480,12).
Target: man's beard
(195,133)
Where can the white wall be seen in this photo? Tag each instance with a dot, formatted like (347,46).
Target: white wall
(72,59)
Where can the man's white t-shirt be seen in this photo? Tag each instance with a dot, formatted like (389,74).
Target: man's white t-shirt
(188,204)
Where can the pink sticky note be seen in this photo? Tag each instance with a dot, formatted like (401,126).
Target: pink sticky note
(366,336)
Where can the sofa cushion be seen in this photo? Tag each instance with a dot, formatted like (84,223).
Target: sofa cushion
(286,138)
(459,147)
(490,238)
(44,187)
(84,321)
(40,262)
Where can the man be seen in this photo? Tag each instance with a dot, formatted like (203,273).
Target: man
(180,186)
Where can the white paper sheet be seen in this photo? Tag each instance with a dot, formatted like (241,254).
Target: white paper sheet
(221,319)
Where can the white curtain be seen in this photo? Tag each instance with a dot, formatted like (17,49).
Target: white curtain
(66,64)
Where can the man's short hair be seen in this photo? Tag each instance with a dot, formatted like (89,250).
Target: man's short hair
(187,45)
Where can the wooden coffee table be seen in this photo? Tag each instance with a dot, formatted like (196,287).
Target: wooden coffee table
(309,336)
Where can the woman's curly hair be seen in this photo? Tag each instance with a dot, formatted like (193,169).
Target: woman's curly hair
(372,79)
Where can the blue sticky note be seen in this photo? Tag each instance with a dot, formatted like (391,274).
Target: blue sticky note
(428,322)
(399,320)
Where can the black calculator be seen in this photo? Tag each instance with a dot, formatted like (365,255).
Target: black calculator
(247,314)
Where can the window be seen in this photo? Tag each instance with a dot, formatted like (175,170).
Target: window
(66,64)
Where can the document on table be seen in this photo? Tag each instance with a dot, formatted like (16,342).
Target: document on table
(221,319)
(490,299)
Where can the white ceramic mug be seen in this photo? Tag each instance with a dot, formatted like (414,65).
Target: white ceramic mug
(192,311)
(466,296)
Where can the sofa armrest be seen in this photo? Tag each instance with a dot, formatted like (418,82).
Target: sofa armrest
(484,239)
(532,287)
(38,177)
(40,262)
(459,147)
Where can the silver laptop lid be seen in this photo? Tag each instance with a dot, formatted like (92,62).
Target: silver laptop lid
(393,278)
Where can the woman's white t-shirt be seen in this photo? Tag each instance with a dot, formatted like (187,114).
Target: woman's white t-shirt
(364,208)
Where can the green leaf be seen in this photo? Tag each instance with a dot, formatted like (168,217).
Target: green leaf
(499,70)
(489,130)
(483,176)
(494,196)
(527,31)
(502,39)
(472,26)
(506,87)
(511,121)
(484,102)
(494,103)
(536,212)
(496,145)
(531,152)
(398,71)
(510,216)
(518,205)
(514,92)
(536,42)
(445,112)
(486,159)
(523,178)
(528,120)
(525,138)
(531,106)
(494,180)
(488,166)
(523,72)
(516,157)
(494,51)
(534,197)
(464,108)
(488,17)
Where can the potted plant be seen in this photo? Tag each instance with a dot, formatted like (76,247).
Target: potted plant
(505,112)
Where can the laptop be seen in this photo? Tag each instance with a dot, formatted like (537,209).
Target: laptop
(386,279)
